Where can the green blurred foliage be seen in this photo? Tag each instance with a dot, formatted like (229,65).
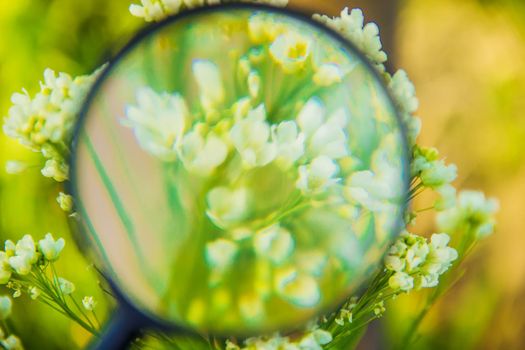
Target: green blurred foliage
(74,37)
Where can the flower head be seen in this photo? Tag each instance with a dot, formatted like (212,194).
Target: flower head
(472,211)
(66,286)
(290,51)
(89,303)
(158,121)
(50,248)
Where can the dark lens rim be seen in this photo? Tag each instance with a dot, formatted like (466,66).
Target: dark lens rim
(149,319)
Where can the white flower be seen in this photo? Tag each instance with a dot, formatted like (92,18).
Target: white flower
(155,10)
(318,175)
(369,190)
(221,253)
(66,286)
(440,256)
(209,80)
(328,74)
(404,92)
(21,264)
(289,142)
(15,167)
(472,211)
(251,138)
(65,202)
(290,51)
(26,256)
(324,137)
(274,243)
(6,306)
(227,207)
(34,292)
(12,343)
(50,248)
(365,37)
(5,268)
(297,288)
(202,155)
(438,174)
(89,303)
(447,197)
(158,121)
(58,170)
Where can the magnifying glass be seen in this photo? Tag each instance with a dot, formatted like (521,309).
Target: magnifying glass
(237,170)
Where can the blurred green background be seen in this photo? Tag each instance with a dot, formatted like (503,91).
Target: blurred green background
(467,60)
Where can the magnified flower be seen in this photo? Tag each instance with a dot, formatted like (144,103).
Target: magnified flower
(221,253)
(324,137)
(297,288)
(251,138)
(274,243)
(227,207)
(290,142)
(58,170)
(158,121)
(202,155)
(318,175)
(328,74)
(209,80)
(290,51)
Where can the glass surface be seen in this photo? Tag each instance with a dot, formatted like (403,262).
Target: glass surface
(239,171)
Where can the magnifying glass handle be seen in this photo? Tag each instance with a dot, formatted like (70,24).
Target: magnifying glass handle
(122,329)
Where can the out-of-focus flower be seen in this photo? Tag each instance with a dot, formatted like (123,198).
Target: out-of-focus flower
(12,343)
(65,201)
(51,248)
(290,51)
(15,167)
(404,94)
(251,138)
(324,136)
(202,155)
(318,175)
(6,305)
(210,84)
(89,303)
(274,243)
(473,211)
(66,287)
(158,121)
(289,141)
(328,74)
(227,207)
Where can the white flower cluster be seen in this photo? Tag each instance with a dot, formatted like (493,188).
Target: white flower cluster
(416,263)
(20,258)
(365,36)
(45,122)
(157,10)
(435,174)
(473,212)
(313,339)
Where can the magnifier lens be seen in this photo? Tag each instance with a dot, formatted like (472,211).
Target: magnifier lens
(239,171)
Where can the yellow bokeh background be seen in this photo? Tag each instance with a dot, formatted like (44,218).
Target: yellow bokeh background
(467,60)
